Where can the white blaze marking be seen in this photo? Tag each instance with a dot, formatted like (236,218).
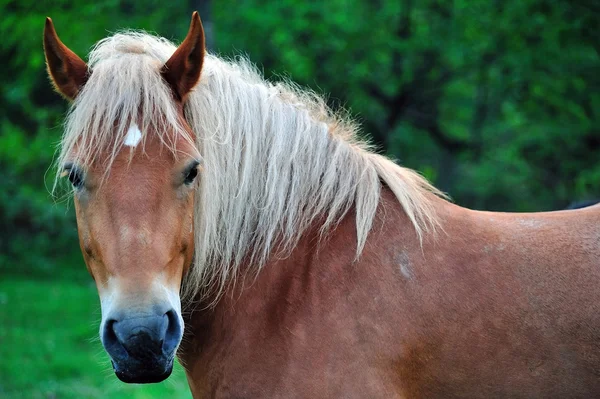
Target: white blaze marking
(134,135)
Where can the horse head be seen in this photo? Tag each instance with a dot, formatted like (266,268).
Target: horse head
(133,164)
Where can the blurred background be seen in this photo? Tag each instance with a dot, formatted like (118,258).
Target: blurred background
(496,102)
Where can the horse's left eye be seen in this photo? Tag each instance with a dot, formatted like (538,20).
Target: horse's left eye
(75,175)
(191,173)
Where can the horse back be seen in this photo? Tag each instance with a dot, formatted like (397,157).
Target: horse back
(507,306)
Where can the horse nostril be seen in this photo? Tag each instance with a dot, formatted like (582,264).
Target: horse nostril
(110,340)
(109,335)
(173,333)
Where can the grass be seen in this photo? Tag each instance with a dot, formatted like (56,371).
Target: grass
(49,347)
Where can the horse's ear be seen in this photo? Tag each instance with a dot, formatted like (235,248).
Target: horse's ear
(182,70)
(67,71)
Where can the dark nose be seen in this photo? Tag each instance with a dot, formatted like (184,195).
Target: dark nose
(142,348)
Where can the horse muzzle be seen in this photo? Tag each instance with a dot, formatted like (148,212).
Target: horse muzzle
(142,347)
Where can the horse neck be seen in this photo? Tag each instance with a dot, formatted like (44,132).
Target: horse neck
(271,168)
(320,285)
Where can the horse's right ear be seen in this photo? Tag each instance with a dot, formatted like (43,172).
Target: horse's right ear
(182,70)
(67,71)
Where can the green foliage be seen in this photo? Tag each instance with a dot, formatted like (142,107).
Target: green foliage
(499,98)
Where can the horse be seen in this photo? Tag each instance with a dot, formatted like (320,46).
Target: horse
(301,262)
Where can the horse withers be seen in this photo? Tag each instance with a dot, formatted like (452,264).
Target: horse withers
(305,264)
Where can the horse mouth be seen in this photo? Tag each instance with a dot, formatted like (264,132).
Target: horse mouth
(135,372)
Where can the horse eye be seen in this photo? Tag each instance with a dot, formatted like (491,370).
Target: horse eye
(75,176)
(191,173)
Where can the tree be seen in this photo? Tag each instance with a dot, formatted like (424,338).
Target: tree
(495,101)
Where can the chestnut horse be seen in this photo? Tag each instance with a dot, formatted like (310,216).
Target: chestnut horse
(308,266)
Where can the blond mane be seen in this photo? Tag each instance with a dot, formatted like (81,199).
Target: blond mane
(275,157)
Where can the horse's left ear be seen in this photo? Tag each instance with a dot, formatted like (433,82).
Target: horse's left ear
(67,71)
(182,70)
